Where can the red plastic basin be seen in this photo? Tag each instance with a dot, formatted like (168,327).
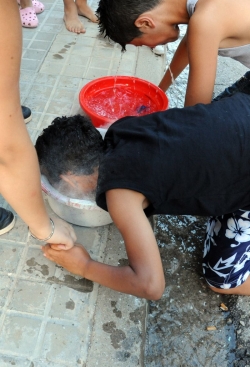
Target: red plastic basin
(107,99)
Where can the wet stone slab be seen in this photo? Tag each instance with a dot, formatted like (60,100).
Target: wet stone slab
(118,335)
(240,307)
(177,332)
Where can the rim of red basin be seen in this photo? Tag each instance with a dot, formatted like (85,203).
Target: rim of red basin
(106,82)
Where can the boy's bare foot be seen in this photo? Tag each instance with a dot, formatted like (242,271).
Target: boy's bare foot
(84,10)
(73,23)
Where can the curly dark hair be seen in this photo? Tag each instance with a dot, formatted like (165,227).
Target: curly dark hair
(69,145)
(117,18)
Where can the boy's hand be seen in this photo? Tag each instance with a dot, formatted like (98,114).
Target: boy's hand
(74,260)
(144,276)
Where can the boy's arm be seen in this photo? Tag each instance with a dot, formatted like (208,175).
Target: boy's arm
(203,39)
(144,276)
(177,65)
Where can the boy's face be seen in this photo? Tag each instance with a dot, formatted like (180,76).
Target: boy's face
(155,32)
(153,40)
(79,187)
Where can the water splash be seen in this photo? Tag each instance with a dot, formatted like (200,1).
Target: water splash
(173,82)
(124,102)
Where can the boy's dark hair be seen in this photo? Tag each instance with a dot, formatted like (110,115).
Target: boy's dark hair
(117,18)
(69,145)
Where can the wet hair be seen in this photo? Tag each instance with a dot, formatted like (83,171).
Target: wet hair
(117,18)
(69,145)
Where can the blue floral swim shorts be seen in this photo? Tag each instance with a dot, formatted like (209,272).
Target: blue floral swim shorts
(226,257)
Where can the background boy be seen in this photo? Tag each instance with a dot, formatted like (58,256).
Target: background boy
(214,26)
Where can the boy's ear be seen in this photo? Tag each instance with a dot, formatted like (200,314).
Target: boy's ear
(144,23)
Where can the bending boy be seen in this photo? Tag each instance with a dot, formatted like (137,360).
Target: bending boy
(215,26)
(192,161)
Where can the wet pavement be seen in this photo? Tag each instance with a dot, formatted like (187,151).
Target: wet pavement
(177,333)
(50,318)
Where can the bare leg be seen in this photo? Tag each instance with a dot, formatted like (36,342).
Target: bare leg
(84,10)
(72,22)
(243,289)
(26,3)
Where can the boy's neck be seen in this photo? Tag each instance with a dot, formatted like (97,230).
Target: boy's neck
(175,11)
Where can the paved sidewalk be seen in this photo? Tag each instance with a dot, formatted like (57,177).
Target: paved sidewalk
(48,317)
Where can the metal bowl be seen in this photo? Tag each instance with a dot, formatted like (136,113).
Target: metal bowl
(80,212)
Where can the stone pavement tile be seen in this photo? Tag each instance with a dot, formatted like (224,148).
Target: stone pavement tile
(45,36)
(29,296)
(19,334)
(52,68)
(59,335)
(119,320)
(32,54)
(46,313)
(65,94)
(149,66)
(40,91)
(94,73)
(10,254)
(15,362)
(4,289)
(27,77)
(78,50)
(76,72)
(68,82)
(61,47)
(40,45)
(58,108)
(45,80)
(58,57)
(30,65)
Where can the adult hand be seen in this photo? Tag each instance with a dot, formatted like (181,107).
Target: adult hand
(64,236)
(74,260)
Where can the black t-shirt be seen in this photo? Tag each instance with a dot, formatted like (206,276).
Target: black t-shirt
(194,160)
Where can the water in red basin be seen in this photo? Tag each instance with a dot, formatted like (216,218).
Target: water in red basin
(107,99)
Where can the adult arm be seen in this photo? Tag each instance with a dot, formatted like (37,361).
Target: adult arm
(144,276)
(19,171)
(177,65)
